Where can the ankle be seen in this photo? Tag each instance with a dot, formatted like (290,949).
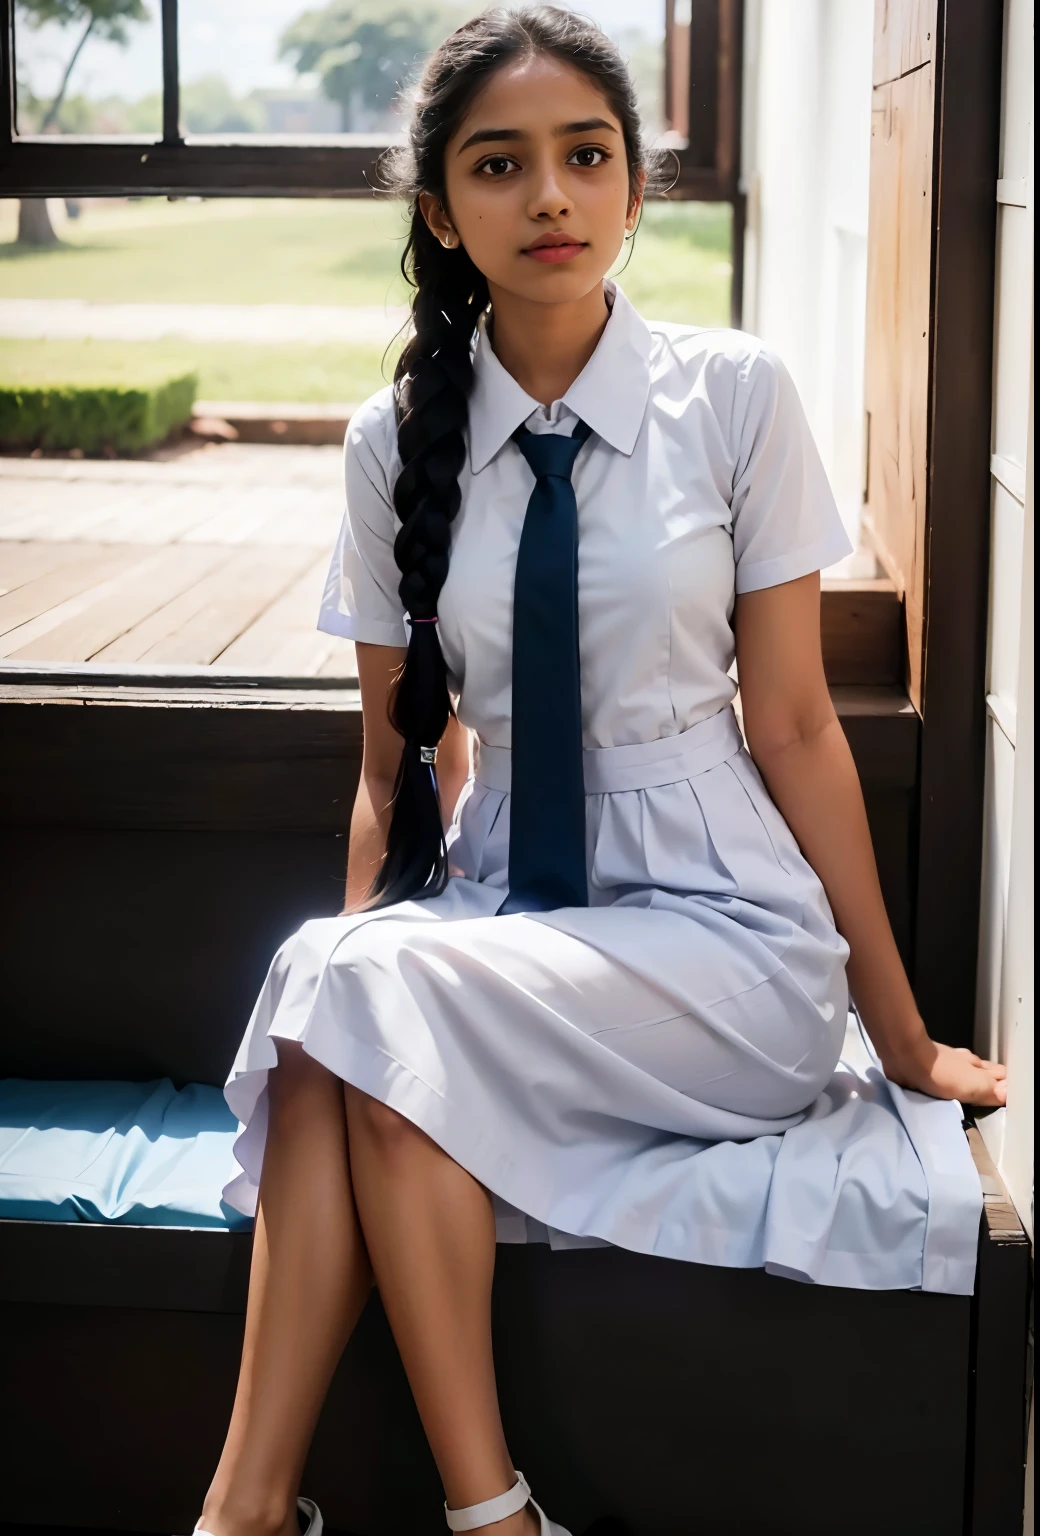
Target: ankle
(231,1514)
(524,1523)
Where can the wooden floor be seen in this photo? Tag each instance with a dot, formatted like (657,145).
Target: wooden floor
(212,556)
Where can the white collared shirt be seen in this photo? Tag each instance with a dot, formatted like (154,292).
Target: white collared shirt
(700,480)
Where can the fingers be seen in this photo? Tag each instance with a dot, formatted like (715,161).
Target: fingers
(989,1089)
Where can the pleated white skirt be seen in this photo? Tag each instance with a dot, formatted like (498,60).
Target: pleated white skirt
(577,1062)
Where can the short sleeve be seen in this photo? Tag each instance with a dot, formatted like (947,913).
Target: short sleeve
(785,520)
(361,601)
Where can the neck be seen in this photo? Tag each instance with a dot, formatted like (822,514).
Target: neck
(545,346)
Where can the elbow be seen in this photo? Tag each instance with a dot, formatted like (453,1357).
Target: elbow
(779,734)
(378,785)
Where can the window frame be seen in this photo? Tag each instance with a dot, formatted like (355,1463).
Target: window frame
(702,112)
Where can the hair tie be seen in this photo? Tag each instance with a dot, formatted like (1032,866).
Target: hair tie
(427,754)
(421,621)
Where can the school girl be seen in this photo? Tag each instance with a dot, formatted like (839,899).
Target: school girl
(623,928)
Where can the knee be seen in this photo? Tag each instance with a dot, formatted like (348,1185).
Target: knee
(389,1133)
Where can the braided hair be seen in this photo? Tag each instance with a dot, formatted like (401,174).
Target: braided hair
(432,383)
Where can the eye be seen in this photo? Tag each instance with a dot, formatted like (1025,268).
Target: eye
(497,165)
(589,149)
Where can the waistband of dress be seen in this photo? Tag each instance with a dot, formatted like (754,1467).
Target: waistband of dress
(639,765)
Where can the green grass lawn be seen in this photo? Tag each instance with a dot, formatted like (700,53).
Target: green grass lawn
(301,252)
(261,372)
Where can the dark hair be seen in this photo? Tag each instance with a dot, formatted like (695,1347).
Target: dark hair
(432,383)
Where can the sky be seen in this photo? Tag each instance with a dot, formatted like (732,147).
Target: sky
(234,38)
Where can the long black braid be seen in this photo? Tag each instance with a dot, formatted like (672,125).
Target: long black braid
(432,383)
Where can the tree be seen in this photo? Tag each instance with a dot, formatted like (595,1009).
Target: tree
(208,105)
(107,19)
(364,51)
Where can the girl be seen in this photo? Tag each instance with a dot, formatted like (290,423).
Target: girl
(494,1028)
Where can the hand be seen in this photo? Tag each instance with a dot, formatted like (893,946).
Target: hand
(948,1072)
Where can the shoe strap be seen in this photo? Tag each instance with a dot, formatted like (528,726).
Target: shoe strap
(492,1510)
(310,1509)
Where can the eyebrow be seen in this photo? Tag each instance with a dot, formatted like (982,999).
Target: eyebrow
(512,135)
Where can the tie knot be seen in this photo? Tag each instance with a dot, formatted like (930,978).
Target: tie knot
(551,453)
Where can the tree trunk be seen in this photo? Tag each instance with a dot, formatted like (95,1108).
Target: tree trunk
(34,222)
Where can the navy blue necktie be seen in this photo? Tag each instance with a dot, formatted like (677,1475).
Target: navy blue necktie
(547,791)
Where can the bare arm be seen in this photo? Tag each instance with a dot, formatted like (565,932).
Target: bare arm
(370,821)
(797,742)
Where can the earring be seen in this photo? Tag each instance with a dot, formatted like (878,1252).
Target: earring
(629,233)
(449,242)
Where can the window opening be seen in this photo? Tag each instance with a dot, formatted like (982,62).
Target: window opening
(194,177)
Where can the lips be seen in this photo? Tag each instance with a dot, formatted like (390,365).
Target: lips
(555,247)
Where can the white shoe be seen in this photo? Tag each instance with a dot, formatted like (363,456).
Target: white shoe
(314,1527)
(500,1508)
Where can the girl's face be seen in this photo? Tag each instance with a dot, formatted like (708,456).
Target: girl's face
(539,154)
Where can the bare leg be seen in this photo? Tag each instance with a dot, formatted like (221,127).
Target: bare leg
(430,1233)
(309,1281)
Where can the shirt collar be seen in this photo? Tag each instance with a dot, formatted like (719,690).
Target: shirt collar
(610,392)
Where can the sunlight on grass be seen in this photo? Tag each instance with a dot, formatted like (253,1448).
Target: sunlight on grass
(226,372)
(231,251)
(252,251)
(261,252)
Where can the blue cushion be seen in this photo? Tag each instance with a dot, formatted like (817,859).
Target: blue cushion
(143,1154)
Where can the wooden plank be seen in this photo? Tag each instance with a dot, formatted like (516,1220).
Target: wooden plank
(178,568)
(22,563)
(905,37)
(1000,1345)
(284,638)
(96,1264)
(168,765)
(304,518)
(64,512)
(898,345)
(70,579)
(161,627)
(240,513)
(20,500)
(208,618)
(18,495)
(156,516)
(861,624)
(609,1338)
(342,661)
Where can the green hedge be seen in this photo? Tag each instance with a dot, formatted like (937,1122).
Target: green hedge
(98,418)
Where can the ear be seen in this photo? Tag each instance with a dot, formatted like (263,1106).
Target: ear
(636,202)
(437,218)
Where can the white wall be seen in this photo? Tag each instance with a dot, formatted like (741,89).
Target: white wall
(1004,1002)
(1005,997)
(807,98)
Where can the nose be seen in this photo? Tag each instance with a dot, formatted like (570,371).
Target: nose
(549,199)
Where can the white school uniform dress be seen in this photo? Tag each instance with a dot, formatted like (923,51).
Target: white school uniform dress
(582,1062)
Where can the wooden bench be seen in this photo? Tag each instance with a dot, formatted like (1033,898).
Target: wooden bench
(154,858)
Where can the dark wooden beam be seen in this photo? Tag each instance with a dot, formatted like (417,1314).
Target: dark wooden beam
(957,553)
(345,167)
(111,801)
(703,90)
(7,78)
(271,762)
(641,1392)
(171,74)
